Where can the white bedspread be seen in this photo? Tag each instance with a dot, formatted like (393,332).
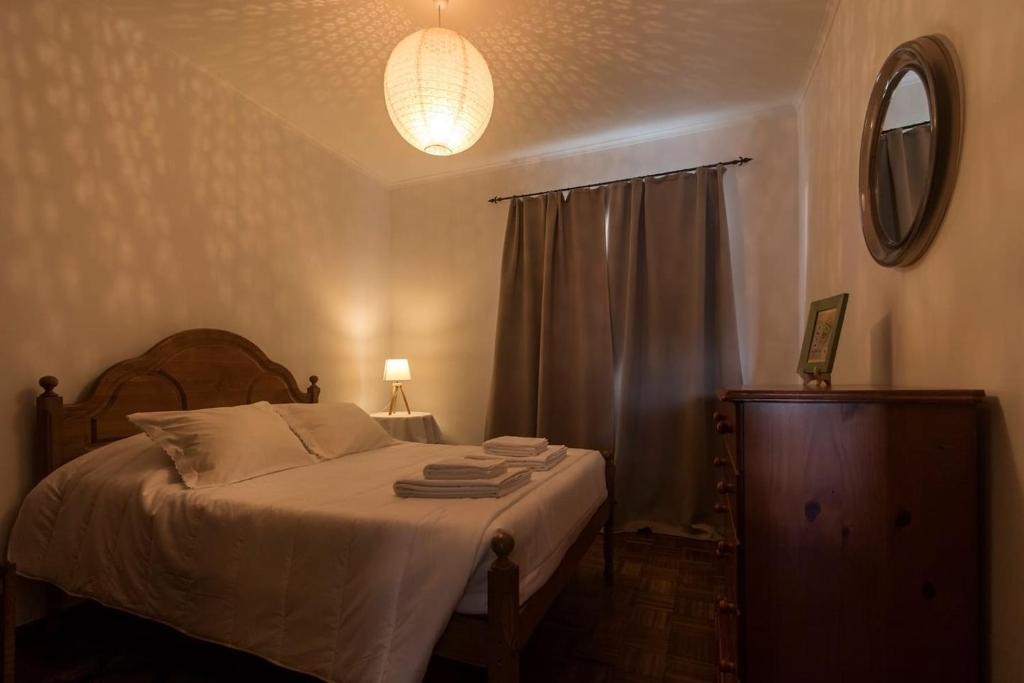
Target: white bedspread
(320,569)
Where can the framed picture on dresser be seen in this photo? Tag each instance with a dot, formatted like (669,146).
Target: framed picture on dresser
(821,339)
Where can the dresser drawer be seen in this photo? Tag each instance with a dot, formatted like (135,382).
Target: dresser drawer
(727,508)
(728,475)
(725,425)
(726,628)
(728,565)
(728,482)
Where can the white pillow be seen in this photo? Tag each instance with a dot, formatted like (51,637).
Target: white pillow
(216,446)
(331,430)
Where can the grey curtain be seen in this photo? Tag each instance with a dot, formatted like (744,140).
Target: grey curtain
(903,157)
(553,355)
(675,342)
(615,326)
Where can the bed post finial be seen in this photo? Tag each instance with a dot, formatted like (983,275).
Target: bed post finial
(503,544)
(503,612)
(313,392)
(48,383)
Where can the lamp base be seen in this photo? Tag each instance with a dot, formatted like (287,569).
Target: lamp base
(396,390)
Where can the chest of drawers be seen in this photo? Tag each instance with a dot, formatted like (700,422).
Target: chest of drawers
(851,535)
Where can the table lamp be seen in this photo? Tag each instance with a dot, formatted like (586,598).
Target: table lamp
(396,371)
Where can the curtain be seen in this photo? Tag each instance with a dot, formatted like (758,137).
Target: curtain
(553,355)
(903,157)
(675,343)
(615,327)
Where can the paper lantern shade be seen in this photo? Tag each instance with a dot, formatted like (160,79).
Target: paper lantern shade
(438,91)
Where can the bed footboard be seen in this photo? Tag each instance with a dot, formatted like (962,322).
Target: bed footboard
(509,623)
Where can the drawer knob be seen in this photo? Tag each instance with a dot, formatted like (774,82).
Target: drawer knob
(721,508)
(727,666)
(719,462)
(725,488)
(725,548)
(726,607)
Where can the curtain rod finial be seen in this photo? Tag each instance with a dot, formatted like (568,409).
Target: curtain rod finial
(495,199)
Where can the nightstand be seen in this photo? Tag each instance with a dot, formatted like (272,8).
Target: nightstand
(415,426)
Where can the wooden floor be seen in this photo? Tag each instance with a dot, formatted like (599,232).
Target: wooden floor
(654,625)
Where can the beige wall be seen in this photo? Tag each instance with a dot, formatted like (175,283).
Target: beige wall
(953,319)
(139,197)
(447,242)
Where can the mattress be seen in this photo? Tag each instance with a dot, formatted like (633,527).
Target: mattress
(321,568)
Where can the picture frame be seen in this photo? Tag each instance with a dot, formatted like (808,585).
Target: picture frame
(821,339)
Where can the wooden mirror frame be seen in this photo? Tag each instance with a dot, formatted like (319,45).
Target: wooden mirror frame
(935,60)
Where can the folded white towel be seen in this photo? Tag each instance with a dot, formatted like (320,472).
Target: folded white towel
(516,445)
(543,462)
(474,466)
(495,487)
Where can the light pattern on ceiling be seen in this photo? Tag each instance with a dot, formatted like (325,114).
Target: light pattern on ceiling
(566,72)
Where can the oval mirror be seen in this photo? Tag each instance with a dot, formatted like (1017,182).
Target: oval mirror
(910,150)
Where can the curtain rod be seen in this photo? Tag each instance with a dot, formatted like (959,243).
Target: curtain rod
(738,161)
(911,126)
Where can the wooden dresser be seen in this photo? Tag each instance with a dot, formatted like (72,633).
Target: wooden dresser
(852,535)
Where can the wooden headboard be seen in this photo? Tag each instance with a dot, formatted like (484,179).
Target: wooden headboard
(188,370)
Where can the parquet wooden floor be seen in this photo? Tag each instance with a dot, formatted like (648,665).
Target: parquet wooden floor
(653,626)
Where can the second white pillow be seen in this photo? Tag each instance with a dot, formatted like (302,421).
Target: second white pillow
(331,430)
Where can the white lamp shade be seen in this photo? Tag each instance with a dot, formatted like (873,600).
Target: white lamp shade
(438,91)
(397,370)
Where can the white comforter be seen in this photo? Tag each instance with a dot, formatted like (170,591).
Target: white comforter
(320,568)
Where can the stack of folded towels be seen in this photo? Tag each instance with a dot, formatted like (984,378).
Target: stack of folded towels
(532,453)
(502,466)
(472,475)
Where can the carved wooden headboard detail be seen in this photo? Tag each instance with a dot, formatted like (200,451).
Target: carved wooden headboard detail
(188,370)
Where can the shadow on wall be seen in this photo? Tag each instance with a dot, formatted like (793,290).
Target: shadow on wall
(881,351)
(139,197)
(22,426)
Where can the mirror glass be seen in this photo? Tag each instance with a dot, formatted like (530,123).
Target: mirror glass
(902,157)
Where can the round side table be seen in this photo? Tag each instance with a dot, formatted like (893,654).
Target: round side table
(415,426)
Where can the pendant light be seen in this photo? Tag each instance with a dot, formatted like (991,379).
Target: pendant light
(438,90)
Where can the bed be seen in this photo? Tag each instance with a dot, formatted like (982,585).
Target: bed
(484,619)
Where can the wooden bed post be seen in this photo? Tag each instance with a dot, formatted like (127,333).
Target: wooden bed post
(49,456)
(313,392)
(609,530)
(503,612)
(49,424)
(7,637)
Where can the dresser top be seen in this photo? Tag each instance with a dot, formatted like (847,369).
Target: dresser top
(851,394)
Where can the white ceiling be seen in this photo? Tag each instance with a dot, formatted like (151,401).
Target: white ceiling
(567,73)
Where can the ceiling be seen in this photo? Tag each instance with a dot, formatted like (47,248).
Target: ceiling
(567,73)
